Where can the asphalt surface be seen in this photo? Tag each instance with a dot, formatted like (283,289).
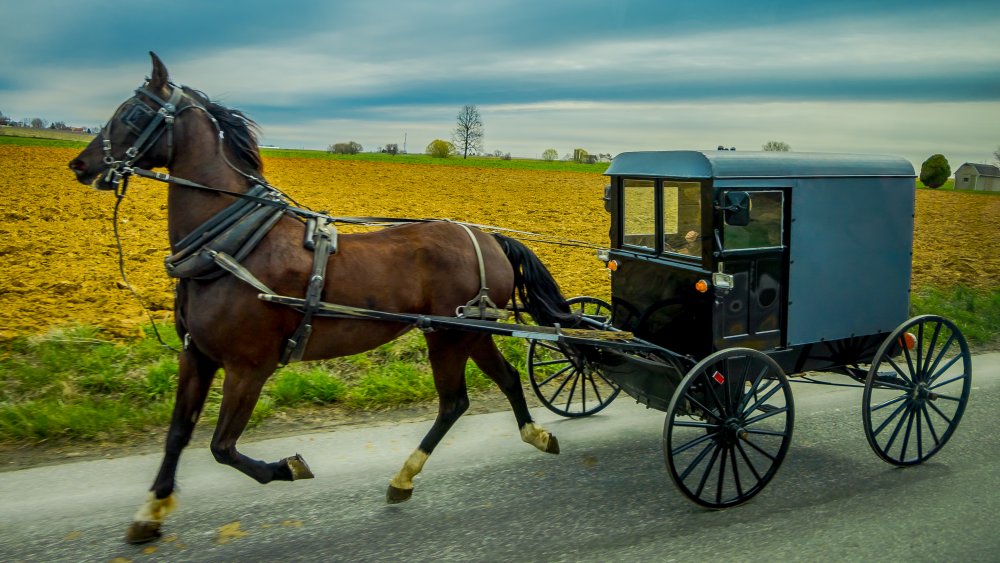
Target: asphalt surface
(486,496)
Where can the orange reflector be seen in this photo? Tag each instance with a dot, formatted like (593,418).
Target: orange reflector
(908,340)
(701,286)
(613,265)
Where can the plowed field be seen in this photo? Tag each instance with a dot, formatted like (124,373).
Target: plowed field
(58,262)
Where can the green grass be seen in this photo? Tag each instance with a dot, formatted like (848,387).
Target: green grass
(21,137)
(73,384)
(976,312)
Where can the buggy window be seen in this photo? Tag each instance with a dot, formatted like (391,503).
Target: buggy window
(682,218)
(765,227)
(639,212)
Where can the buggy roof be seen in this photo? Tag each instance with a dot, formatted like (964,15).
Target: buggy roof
(735,164)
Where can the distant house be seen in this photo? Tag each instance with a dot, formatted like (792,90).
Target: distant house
(981,177)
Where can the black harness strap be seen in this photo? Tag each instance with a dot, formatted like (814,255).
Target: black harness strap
(324,237)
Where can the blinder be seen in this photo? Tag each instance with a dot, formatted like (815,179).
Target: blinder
(137,116)
(148,125)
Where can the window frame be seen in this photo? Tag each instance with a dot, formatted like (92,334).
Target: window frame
(705,219)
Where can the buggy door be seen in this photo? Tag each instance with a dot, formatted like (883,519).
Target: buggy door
(753,258)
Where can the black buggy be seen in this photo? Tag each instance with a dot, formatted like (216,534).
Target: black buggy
(731,270)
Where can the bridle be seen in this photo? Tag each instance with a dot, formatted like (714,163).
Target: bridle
(146,123)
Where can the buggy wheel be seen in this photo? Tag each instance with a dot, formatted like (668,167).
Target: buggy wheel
(728,427)
(916,390)
(563,379)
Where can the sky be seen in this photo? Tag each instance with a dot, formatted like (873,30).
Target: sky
(908,78)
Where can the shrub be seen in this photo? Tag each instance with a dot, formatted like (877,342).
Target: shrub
(935,171)
(345,148)
(440,149)
(550,154)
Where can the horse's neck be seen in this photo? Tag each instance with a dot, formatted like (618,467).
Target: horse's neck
(188,208)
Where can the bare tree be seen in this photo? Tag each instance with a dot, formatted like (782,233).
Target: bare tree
(776,146)
(996,156)
(468,136)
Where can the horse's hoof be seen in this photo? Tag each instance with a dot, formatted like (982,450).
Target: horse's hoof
(553,447)
(142,532)
(299,468)
(395,495)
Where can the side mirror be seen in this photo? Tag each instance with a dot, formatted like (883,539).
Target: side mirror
(737,209)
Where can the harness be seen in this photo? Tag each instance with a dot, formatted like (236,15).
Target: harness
(218,245)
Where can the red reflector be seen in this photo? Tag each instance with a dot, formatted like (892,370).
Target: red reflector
(719,378)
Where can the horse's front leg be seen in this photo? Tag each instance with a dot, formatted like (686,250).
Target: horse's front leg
(194,378)
(240,392)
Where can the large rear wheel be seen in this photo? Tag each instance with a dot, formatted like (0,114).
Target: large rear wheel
(728,427)
(916,390)
(563,379)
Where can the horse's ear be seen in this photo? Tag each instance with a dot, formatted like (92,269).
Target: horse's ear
(159,78)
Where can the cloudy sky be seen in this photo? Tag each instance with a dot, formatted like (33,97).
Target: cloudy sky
(875,76)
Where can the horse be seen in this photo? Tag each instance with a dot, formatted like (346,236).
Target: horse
(213,162)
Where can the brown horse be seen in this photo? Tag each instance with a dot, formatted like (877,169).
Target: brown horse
(423,268)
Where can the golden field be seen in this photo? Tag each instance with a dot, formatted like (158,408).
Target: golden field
(58,262)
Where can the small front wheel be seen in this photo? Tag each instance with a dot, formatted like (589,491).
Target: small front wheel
(563,379)
(728,427)
(916,390)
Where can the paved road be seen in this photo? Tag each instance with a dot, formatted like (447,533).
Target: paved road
(485,496)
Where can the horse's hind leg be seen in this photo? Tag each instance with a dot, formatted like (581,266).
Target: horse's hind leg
(240,392)
(194,378)
(448,354)
(491,361)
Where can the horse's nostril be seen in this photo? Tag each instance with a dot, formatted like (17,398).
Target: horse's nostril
(77,165)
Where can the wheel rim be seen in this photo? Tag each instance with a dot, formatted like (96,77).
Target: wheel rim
(565,382)
(728,428)
(915,398)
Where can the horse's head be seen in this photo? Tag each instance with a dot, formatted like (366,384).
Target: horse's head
(139,134)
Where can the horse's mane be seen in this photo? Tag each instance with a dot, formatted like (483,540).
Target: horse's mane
(240,131)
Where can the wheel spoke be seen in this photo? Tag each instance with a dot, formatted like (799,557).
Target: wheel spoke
(768,414)
(899,426)
(930,348)
(930,426)
(760,450)
(941,414)
(694,424)
(952,380)
(943,352)
(766,432)
(549,379)
(593,385)
(753,389)
(708,471)
(889,402)
(572,390)
(909,361)
(715,396)
(746,459)
(693,443)
(562,386)
(940,372)
(697,460)
(722,477)
(906,437)
(551,362)
(703,408)
(762,400)
(889,419)
(899,370)
(736,472)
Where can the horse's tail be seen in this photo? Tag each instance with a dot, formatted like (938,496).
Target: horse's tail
(535,287)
